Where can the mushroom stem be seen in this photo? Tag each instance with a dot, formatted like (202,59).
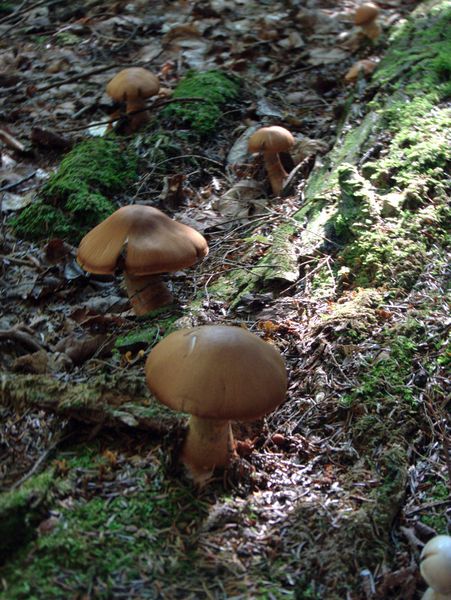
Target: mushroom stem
(147,292)
(206,445)
(275,170)
(139,118)
(371,30)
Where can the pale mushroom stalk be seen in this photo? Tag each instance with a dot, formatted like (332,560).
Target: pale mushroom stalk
(147,292)
(207,445)
(275,170)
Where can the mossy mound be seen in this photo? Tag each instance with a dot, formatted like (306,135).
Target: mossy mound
(21,510)
(106,541)
(214,88)
(74,199)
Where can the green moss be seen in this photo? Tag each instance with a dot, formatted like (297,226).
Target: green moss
(419,146)
(388,375)
(106,543)
(419,50)
(41,220)
(145,337)
(215,89)
(74,199)
(22,509)
(66,38)
(395,252)
(437,517)
(357,209)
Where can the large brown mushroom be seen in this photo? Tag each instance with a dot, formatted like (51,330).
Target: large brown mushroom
(133,86)
(215,373)
(154,244)
(270,141)
(366,18)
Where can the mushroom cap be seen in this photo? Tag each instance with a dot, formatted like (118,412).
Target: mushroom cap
(133,84)
(271,139)
(155,243)
(435,564)
(366,13)
(217,372)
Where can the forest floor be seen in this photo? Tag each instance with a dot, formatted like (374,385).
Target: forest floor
(334,494)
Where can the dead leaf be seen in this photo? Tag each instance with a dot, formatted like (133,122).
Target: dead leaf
(326,56)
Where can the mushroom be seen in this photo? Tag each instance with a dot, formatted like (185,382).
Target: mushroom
(435,568)
(365,17)
(215,373)
(365,66)
(271,141)
(133,86)
(155,244)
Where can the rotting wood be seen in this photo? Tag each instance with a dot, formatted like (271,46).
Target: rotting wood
(118,402)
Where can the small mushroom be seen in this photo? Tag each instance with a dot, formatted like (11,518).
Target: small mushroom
(365,17)
(271,141)
(365,66)
(215,373)
(435,568)
(133,86)
(154,243)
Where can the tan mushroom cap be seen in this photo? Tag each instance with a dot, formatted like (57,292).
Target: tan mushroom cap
(366,13)
(217,372)
(132,84)
(271,139)
(155,243)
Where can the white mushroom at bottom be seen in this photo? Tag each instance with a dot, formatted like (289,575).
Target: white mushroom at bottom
(435,568)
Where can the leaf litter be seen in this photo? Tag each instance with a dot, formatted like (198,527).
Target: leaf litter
(300,505)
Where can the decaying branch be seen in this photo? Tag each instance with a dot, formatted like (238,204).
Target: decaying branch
(104,400)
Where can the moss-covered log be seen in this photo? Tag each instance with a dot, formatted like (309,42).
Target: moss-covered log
(380,215)
(108,401)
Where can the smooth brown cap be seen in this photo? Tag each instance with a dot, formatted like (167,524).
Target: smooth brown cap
(366,13)
(217,372)
(155,243)
(132,84)
(271,139)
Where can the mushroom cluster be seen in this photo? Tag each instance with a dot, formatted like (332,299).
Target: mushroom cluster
(152,244)
(216,373)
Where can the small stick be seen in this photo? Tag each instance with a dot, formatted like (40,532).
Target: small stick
(73,78)
(22,337)
(40,460)
(11,186)
(158,104)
